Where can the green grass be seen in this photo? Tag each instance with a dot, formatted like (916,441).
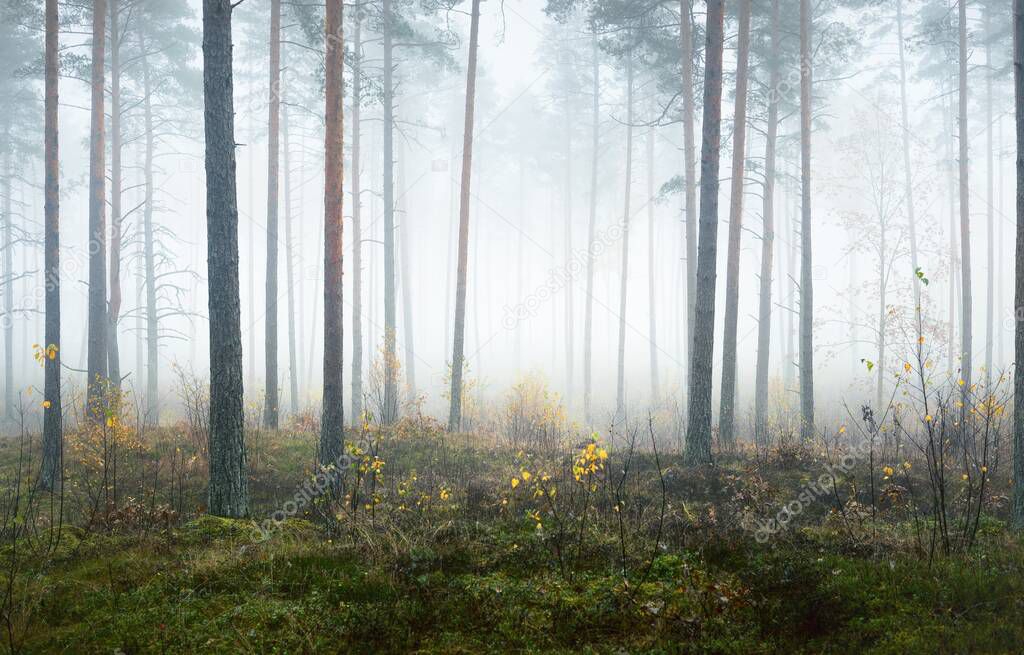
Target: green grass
(472,574)
(208,587)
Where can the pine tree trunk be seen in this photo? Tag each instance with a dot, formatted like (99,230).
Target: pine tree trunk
(764,310)
(588,310)
(990,205)
(357,227)
(97,320)
(907,171)
(1018,380)
(458,343)
(620,396)
(954,287)
(289,251)
(806,270)
(651,277)
(727,407)
(698,435)
(880,364)
(229,492)
(406,279)
(966,303)
(570,328)
(689,177)
(116,184)
(332,430)
(149,250)
(272,399)
(10,395)
(390,408)
(53,438)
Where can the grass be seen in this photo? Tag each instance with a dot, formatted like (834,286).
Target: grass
(445,557)
(206,587)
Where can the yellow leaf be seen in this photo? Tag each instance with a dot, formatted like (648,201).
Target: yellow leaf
(515,482)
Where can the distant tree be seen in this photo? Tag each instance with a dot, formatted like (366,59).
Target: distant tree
(97,320)
(806,272)
(764,313)
(228,491)
(966,332)
(727,408)
(1018,381)
(459,342)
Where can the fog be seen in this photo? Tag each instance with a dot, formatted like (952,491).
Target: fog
(531,199)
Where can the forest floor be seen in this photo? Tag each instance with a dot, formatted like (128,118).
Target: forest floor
(452,548)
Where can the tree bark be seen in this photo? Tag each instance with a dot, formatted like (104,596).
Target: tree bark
(764,310)
(53,437)
(727,406)
(272,399)
(806,270)
(229,491)
(97,320)
(698,437)
(332,431)
(458,342)
(620,396)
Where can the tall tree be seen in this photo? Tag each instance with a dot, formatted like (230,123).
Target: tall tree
(966,302)
(764,312)
(229,489)
(806,272)
(908,177)
(1018,380)
(289,243)
(390,408)
(97,320)
(332,424)
(727,407)
(689,173)
(116,191)
(595,144)
(698,435)
(459,339)
(53,438)
(651,271)
(357,229)
(620,396)
(990,205)
(272,399)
